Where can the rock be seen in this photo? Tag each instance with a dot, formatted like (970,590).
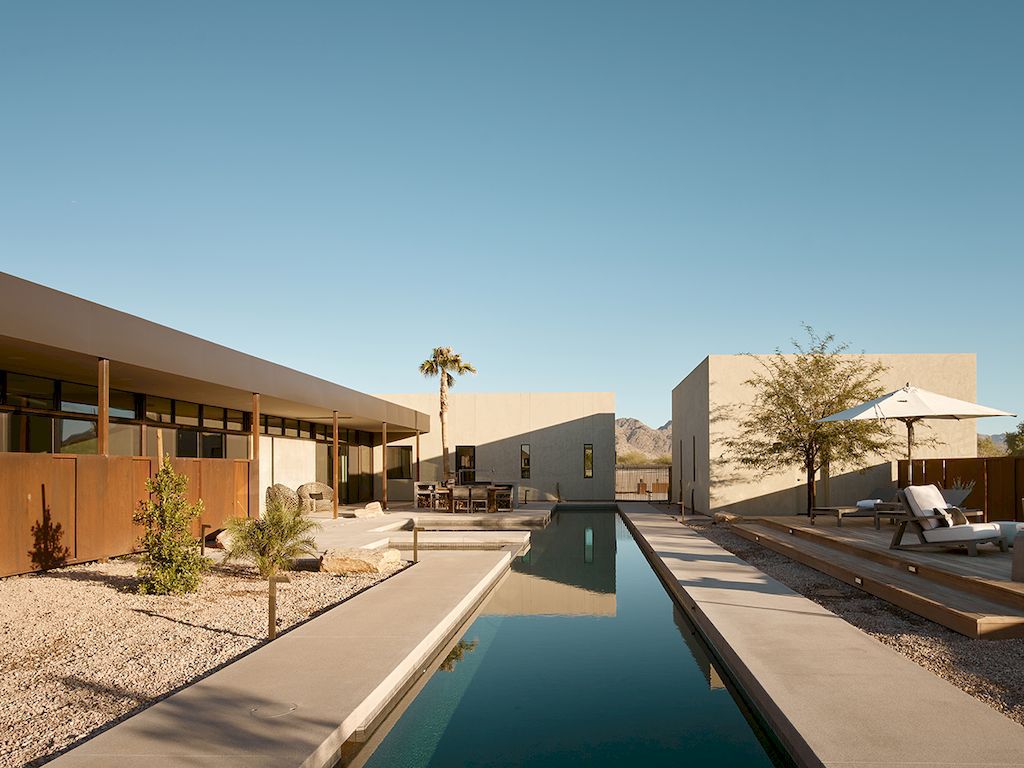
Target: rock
(316,497)
(284,494)
(726,517)
(355,560)
(223,540)
(373,509)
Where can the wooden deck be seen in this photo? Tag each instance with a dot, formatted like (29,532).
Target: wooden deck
(971,595)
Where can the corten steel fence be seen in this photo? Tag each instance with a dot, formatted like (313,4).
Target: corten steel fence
(63,509)
(642,482)
(998,482)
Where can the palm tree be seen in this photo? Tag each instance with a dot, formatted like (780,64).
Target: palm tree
(272,542)
(444,362)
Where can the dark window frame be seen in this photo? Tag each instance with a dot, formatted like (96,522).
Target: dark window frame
(397,471)
(588,452)
(525,464)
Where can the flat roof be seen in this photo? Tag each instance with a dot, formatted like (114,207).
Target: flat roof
(50,333)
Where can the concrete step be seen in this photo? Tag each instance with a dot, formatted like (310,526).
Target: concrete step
(961,610)
(1006,593)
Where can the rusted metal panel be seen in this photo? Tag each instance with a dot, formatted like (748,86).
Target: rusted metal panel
(1000,488)
(106,495)
(934,473)
(241,472)
(64,509)
(217,490)
(902,473)
(37,512)
(965,470)
(1018,493)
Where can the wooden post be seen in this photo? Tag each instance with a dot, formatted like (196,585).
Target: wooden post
(255,428)
(272,609)
(254,458)
(103,422)
(334,463)
(384,465)
(417,456)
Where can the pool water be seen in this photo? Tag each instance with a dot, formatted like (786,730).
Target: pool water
(579,658)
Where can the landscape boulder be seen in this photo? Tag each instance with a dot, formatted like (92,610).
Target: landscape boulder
(284,494)
(373,509)
(316,497)
(356,560)
(726,518)
(223,539)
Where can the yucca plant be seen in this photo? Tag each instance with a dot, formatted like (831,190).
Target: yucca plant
(272,543)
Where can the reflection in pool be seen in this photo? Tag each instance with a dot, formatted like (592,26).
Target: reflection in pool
(578,658)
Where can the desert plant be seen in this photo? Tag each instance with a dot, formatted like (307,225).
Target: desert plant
(781,426)
(632,458)
(1015,441)
(272,543)
(171,561)
(960,484)
(988,448)
(443,362)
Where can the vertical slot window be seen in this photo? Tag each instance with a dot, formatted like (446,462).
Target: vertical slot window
(588,460)
(524,461)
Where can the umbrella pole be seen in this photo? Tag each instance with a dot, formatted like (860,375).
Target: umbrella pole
(910,451)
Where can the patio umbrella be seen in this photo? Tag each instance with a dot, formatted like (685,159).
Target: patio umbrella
(910,405)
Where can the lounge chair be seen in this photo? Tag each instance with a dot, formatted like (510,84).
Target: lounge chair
(924,506)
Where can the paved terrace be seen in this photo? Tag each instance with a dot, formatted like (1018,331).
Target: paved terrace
(835,696)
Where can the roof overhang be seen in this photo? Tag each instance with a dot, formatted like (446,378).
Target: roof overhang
(50,333)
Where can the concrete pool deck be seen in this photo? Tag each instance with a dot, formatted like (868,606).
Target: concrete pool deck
(834,695)
(295,701)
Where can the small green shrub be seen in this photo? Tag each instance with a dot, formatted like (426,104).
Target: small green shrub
(171,563)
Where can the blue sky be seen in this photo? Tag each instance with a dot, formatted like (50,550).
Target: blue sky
(575,195)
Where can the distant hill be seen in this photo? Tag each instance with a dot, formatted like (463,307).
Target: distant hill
(633,436)
(999,440)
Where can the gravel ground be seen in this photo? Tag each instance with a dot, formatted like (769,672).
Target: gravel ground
(82,650)
(990,670)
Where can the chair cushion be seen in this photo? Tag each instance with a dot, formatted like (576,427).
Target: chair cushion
(942,518)
(970,532)
(922,499)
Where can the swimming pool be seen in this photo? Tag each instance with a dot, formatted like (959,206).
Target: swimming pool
(578,658)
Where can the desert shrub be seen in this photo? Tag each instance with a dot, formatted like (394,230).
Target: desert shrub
(172,563)
(274,541)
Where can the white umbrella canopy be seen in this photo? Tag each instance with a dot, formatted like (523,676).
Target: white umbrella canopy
(911,404)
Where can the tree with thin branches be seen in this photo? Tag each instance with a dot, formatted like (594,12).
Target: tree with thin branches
(779,428)
(445,363)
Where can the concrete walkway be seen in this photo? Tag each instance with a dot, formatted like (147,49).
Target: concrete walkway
(834,695)
(294,701)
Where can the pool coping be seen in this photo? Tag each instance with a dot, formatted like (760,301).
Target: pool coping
(868,710)
(319,683)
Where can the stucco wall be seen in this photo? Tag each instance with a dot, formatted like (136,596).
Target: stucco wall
(556,425)
(690,422)
(284,460)
(742,491)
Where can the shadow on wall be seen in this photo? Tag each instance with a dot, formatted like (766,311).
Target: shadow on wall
(48,550)
(556,461)
(842,489)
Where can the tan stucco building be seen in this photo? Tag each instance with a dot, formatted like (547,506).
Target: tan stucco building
(552,444)
(705,407)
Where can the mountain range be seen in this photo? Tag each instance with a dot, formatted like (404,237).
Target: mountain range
(633,436)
